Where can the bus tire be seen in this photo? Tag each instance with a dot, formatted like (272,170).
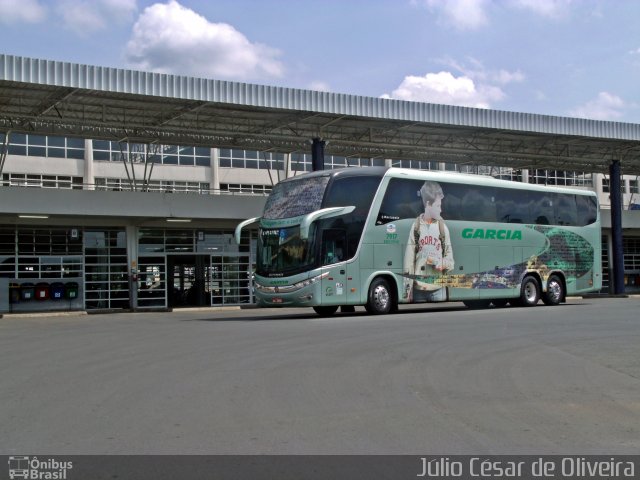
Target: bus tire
(476,304)
(379,298)
(500,302)
(529,292)
(326,310)
(555,291)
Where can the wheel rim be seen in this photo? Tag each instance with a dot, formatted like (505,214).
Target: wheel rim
(554,290)
(381,298)
(530,292)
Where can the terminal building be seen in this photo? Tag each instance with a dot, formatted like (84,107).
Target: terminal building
(122,189)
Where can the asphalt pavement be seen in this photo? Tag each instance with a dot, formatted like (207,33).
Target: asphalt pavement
(435,380)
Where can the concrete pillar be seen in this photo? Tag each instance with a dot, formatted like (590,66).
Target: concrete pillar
(616,228)
(88,175)
(214,157)
(525,175)
(288,171)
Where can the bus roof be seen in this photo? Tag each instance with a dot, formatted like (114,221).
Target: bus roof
(471,179)
(437,176)
(344,172)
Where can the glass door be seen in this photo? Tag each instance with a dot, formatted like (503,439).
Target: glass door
(230,280)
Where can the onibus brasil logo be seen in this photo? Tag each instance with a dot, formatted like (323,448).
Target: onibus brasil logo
(33,468)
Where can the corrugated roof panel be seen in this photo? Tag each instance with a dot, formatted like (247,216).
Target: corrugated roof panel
(46,72)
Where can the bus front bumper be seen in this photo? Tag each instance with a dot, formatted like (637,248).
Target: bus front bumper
(306,293)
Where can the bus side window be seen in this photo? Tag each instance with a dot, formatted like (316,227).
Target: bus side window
(566,209)
(513,206)
(479,204)
(587,210)
(542,208)
(452,201)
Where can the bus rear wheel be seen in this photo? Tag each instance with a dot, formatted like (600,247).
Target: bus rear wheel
(379,298)
(555,291)
(326,311)
(529,292)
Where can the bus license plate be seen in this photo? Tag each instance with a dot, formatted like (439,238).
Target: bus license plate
(276,300)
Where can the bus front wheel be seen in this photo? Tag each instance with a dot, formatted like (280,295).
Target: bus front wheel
(529,292)
(326,311)
(380,298)
(555,291)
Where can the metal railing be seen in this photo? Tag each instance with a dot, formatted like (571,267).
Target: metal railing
(126,188)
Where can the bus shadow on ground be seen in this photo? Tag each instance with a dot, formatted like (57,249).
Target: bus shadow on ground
(311,315)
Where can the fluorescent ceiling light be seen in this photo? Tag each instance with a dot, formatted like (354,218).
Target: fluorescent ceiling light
(33,216)
(182,220)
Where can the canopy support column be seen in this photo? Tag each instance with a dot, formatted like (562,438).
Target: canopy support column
(616,228)
(317,154)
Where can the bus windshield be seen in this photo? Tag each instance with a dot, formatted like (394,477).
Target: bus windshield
(281,250)
(297,197)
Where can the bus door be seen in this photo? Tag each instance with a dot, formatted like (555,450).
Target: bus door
(333,251)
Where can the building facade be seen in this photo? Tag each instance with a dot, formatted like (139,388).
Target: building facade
(102,225)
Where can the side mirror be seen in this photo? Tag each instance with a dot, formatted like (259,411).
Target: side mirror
(241,225)
(308,219)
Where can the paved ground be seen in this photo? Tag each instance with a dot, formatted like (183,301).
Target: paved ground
(436,380)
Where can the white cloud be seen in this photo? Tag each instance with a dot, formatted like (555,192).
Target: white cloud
(320,86)
(473,14)
(445,88)
(18,11)
(462,14)
(170,38)
(467,84)
(87,16)
(479,73)
(605,106)
(546,8)
(503,77)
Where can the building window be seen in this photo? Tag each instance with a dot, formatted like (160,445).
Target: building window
(104,150)
(560,177)
(46,146)
(415,164)
(168,186)
(41,181)
(606,186)
(301,162)
(245,188)
(236,158)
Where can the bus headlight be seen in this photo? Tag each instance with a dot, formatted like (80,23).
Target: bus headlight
(309,281)
(289,288)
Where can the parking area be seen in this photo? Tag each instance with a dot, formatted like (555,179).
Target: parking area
(442,378)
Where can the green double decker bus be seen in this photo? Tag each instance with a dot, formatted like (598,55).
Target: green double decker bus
(380,237)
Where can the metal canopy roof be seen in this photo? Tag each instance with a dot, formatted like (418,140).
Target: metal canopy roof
(58,98)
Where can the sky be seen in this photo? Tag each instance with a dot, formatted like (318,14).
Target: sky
(575,58)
